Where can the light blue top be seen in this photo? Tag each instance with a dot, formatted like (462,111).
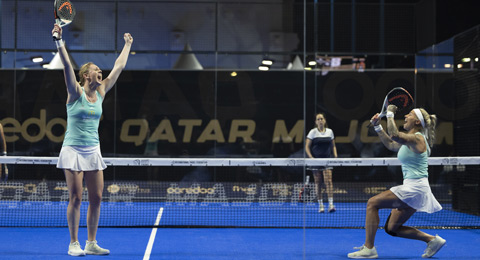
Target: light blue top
(414,165)
(83,119)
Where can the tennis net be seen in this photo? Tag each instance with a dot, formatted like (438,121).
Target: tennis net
(234,192)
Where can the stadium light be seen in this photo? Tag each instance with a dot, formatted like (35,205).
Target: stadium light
(267,62)
(37,59)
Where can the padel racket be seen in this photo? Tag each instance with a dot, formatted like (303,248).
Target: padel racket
(64,13)
(398,97)
(301,195)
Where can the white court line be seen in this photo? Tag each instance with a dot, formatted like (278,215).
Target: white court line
(148,251)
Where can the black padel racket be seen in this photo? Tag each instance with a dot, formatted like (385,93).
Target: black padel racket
(64,13)
(398,97)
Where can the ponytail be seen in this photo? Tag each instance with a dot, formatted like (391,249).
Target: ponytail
(430,125)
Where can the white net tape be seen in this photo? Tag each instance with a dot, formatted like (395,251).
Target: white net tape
(145,161)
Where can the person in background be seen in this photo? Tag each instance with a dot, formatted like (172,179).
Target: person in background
(3,152)
(80,156)
(414,195)
(320,143)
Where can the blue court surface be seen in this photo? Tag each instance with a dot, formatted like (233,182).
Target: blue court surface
(261,232)
(229,243)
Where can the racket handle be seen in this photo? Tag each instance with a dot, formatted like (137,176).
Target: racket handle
(379,116)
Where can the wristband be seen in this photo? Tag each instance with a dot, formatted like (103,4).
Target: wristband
(59,43)
(378,128)
(390,114)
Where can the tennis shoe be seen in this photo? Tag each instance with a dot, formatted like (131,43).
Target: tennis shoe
(331,208)
(92,248)
(321,208)
(364,252)
(74,249)
(434,246)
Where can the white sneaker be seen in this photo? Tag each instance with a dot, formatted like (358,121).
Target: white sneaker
(74,249)
(91,248)
(321,208)
(433,246)
(364,252)
(331,208)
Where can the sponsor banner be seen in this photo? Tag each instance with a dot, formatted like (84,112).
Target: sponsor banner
(16,193)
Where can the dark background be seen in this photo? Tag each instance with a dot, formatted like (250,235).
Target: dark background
(454,17)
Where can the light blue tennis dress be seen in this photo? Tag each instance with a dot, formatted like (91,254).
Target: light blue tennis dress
(415,190)
(81,145)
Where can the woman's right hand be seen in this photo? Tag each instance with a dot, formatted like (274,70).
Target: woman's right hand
(57,29)
(375,120)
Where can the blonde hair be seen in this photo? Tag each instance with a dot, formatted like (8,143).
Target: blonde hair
(84,69)
(430,124)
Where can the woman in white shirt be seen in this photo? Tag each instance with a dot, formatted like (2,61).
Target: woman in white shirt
(320,143)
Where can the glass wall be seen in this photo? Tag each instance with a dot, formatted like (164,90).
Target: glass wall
(204,77)
(230,79)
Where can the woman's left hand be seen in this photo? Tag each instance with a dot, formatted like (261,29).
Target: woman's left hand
(128,38)
(392,108)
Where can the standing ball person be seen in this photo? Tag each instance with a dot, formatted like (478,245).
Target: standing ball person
(414,195)
(80,156)
(320,143)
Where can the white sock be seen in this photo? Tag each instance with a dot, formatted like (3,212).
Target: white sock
(320,202)
(330,201)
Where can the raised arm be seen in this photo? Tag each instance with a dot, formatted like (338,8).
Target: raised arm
(384,137)
(414,141)
(73,88)
(120,64)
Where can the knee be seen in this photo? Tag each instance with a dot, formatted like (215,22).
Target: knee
(76,200)
(372,203)
(328,181)
(95,198)
(390,230)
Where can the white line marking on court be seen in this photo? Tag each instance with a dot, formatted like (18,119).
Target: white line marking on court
(148,251)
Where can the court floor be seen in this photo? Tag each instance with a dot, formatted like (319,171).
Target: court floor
(230,243)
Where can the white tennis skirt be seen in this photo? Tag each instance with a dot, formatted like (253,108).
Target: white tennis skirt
(81,158)
(418,195)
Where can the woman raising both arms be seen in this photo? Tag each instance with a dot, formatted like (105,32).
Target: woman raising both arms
(80,156)
(413,147)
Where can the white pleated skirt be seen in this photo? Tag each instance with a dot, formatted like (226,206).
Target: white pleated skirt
(417,194)
(81,158)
